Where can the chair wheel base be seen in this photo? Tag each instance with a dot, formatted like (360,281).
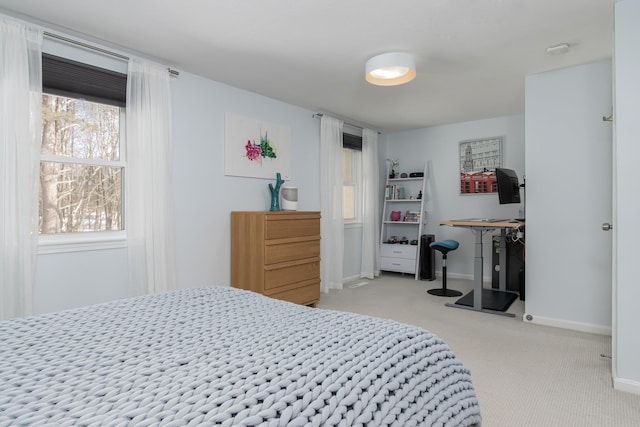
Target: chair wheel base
(444,292)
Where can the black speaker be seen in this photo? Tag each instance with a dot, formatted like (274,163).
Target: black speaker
(427,258)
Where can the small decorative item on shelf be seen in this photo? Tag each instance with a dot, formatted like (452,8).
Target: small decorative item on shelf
(395,215)
(275,193)
(393,239)
(420,195)
(404,175)
(394,165)
(414,242)
(404,241)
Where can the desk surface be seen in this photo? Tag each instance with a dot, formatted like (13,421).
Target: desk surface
(483,222)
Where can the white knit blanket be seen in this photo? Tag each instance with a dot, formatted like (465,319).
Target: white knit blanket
(220,356)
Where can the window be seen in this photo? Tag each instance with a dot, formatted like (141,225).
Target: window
(82,163)
(352,178)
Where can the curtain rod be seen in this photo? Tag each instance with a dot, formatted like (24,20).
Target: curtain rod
(98,49)
(319,115)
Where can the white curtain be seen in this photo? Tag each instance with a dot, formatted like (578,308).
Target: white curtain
(20,139)
(332,220)
(149,206)
(370,205)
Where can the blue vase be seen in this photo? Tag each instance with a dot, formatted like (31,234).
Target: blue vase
(275,201)
(275,193)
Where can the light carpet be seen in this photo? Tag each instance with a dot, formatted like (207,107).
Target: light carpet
(524,374)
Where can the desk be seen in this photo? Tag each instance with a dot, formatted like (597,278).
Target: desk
(479,227)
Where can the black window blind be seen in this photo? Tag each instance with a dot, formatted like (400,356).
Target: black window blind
(64,77)
(353,142)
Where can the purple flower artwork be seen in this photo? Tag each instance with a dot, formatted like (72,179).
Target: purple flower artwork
(257,152)
(257,149)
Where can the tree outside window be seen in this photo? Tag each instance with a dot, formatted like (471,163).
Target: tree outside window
(81,168)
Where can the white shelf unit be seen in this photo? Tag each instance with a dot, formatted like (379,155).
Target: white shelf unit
(398,257)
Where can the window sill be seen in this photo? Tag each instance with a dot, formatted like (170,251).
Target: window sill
(80,242)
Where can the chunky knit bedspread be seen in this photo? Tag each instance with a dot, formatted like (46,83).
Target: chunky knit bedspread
(220,356)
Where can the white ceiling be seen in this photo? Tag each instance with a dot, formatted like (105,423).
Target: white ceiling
(472,55)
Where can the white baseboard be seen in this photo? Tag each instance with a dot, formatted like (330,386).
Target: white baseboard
(350,278)
(567,324)
(627,386)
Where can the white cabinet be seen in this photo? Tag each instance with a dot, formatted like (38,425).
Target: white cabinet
(403,216)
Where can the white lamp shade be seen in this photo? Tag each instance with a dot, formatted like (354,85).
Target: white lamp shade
(390,69)
(289,198)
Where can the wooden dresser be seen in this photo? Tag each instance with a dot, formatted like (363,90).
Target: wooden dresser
(277,254)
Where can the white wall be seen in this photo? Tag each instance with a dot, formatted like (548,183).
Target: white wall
(352,252)
(626,352)
(204,197)
(568,157)
(438,146)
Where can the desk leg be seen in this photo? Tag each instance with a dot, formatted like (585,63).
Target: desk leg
(502,274)
(478,271)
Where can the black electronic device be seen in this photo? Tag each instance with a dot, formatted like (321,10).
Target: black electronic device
(427,258)
(508,186)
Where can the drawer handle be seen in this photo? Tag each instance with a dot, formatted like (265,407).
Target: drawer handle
(395,263)
(397,252)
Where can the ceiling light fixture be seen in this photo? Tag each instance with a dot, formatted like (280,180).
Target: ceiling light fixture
(390,69)
(559,49)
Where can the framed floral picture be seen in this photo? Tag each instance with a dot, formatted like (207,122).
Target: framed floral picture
(479,159)
(255,148)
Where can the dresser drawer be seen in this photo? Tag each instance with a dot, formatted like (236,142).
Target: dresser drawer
(280,275)
(402,265)
(281,252)
(399,251)
(288,228)
(307,294)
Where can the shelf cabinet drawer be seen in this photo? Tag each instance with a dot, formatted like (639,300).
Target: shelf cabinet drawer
(399,251)
(401,265)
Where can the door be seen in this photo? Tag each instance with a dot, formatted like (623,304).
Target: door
(568,158)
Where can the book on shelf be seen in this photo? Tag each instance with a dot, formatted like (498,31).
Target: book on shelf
(394,192)
(412,216)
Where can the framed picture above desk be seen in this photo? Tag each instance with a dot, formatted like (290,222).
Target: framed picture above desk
(481,299)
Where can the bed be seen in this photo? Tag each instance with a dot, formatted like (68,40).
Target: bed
(220,356)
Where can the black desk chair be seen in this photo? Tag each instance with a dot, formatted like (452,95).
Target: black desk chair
(444,246)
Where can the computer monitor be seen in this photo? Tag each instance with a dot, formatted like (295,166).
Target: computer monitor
(508,186)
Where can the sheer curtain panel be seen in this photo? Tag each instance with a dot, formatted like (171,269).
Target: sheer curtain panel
(20,139)
(332,220)
(149,206)
(370,205)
